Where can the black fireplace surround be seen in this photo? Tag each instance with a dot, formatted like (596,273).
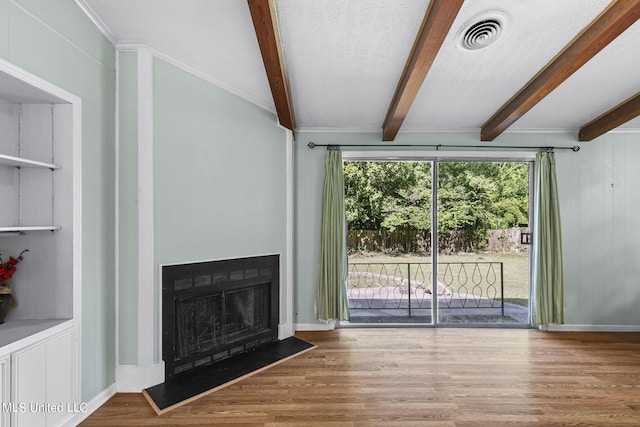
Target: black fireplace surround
(216,309)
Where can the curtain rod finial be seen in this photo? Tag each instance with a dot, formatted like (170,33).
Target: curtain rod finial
(575,148)
(311,145)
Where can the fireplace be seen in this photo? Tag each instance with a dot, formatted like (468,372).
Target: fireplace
(216,309)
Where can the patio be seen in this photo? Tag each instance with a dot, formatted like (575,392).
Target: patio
(468,293)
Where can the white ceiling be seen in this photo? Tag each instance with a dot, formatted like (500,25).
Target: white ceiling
(344,58)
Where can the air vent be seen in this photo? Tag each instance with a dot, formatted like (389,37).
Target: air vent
(483,31)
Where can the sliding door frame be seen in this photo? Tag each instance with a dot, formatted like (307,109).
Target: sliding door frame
(437,157)
(434,242)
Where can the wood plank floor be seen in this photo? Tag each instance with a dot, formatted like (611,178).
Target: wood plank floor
(423,377)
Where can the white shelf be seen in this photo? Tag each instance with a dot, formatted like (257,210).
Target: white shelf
(19,229)
(25,163)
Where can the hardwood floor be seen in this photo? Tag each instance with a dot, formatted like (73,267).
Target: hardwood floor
(423,377)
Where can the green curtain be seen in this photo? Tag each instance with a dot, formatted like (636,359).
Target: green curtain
(331,294)
(547,305)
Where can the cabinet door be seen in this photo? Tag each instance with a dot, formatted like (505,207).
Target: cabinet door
(5,390)
(61,378)
(28,381)
(43,379)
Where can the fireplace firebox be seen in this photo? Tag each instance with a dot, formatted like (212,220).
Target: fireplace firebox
(216,309)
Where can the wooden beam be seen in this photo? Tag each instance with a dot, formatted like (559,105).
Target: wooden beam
(435,27)
(612,22)
(622,113)
(265,23)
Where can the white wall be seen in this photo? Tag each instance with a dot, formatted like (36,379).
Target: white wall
(601,229)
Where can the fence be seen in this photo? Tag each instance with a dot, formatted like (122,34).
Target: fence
(408,286)
(400,241)
(419,241)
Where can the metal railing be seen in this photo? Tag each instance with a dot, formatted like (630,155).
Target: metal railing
(408,286)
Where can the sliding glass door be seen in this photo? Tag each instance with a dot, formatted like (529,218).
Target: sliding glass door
(388,207)
(483,252)
(462,260)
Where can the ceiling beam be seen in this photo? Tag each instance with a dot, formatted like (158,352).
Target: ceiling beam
(435,27)
(265,23)
(622,113)
(612,22)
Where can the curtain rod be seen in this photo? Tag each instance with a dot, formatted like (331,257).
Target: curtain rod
(575,148)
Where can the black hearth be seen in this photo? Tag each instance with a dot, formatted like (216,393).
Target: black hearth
(216,309)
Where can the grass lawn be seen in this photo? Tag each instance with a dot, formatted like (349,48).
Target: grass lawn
(516,268)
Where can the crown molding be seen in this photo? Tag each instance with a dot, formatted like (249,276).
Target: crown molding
(378,130)
(97,21)
(568,130)
(311,129)
(363,129)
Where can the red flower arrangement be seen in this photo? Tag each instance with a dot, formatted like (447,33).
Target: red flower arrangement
(8,268)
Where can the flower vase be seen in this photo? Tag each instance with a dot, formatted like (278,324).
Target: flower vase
(6,300)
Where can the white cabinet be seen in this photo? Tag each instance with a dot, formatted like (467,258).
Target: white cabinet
(43,390)
(39,379)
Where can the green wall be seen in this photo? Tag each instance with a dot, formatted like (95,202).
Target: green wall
(219,189)
(598,189)
(220,173)
(599,208)
(56,41)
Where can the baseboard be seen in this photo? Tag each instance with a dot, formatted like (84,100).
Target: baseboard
(593,328)
(285,330)
(325,326)
(95,403)
(134,379)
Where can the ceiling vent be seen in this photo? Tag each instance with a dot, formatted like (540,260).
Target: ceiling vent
(483,31)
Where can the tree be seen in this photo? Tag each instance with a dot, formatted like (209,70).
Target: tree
(388,195)
(474,197)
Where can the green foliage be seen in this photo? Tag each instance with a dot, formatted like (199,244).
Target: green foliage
(475,197)
(389,195)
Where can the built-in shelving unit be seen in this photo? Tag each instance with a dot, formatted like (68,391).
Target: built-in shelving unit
(40,197)
(36,190)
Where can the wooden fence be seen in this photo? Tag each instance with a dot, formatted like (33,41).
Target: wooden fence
(419,241)
(399,241)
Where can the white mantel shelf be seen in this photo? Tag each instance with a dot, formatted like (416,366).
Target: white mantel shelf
(25,163)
